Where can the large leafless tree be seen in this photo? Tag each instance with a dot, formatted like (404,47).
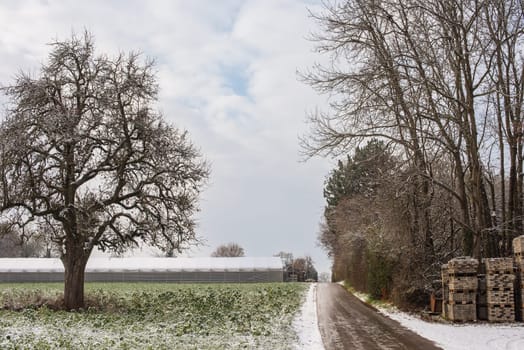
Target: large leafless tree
(86,156)
(443,82)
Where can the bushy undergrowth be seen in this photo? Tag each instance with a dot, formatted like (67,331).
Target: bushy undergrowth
(143,315)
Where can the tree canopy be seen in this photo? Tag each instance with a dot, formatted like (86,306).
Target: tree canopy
(441,83)
(228,250)
(359,174)
(86,157)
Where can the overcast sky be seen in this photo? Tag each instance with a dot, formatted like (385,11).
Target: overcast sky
(228,74)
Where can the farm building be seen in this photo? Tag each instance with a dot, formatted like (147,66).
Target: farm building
(183,270)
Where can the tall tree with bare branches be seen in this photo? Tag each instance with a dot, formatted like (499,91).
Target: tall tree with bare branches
(86,155)
(442,82)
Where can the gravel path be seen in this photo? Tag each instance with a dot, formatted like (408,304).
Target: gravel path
(346,323)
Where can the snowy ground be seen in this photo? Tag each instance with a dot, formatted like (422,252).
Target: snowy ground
(306,322)
(509,336)
(53,329)
(163,316)
(481,336)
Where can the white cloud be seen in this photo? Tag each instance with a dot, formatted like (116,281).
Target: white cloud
(260,195)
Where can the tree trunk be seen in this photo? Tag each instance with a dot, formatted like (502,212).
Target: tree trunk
(74,261)
(519,211)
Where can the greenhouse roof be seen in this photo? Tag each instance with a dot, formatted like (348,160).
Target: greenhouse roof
(143,264)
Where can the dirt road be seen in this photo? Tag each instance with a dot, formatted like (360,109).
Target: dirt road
(346,323)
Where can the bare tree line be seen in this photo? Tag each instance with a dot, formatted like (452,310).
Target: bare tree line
(442,82)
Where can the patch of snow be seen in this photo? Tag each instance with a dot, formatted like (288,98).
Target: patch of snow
(507,336)
(306,322)
(482,336)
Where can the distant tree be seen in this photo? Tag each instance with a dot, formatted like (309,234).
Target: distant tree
(9,242)
(228,250)
(85,154)
(301,268)
(14,243)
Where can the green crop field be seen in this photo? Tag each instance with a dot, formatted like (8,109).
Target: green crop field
(152,316)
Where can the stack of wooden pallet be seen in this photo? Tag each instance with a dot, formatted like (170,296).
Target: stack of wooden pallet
(518,251)
(462,289)
(500,281)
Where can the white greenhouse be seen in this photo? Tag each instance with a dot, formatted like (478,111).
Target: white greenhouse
(135,269)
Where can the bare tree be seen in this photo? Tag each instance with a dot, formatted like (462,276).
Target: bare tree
(9,242)
(24,241)
(303,269)
(505,28)
(86,155)
(441,81)
(228,250)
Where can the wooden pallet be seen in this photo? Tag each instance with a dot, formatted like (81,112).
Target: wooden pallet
(501,297)
(461,302)
(498,264)
(462,297)
(501,312)
(499,289)
(462,312)
(463,265)
(518,244)
(500,281)
(463,283)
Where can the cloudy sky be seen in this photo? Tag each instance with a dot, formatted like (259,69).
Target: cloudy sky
(228,74)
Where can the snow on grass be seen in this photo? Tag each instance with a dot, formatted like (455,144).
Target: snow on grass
(157,316)
(306,322)
(479,336)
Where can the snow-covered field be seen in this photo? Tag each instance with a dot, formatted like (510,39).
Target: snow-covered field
(165,316)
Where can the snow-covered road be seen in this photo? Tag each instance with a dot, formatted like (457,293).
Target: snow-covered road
(346,323)
(480,336)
